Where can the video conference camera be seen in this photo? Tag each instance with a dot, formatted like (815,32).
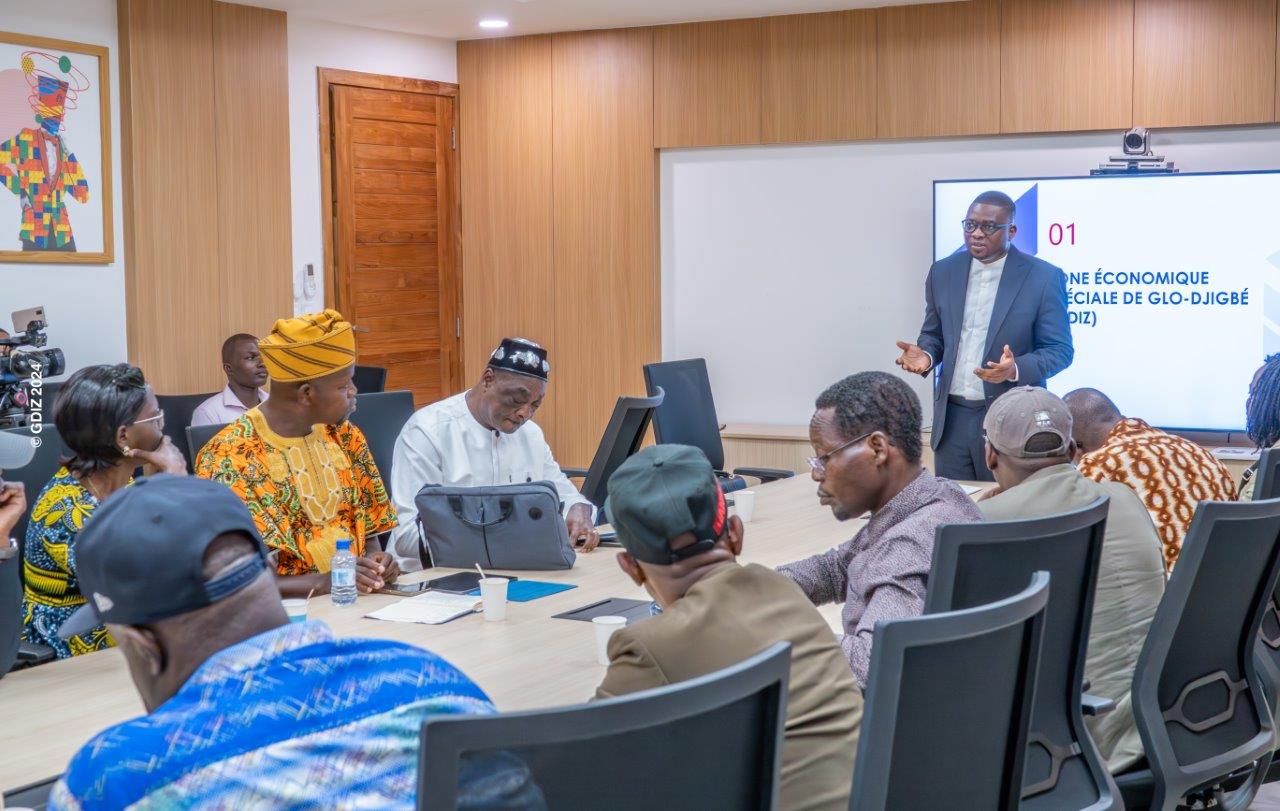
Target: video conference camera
(25,363)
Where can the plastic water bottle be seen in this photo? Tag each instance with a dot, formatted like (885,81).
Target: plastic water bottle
(342,575)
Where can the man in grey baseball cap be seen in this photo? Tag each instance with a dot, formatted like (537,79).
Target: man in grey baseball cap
(1029,450)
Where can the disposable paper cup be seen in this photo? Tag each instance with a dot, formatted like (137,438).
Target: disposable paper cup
(296,608)
(605,626)
(744,503)
(493,592)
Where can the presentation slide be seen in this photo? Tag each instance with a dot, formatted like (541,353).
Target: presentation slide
(1173,283)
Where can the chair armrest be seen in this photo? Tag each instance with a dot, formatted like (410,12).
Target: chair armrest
(764,474)
(31,654)
(574,472)
(1096,706)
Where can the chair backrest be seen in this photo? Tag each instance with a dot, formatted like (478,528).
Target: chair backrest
(370,379)
(622,753)
(37,473)
(622,437)
(688,414)
(178,409)
(977,564)
(380,415)
(199,435)
(948,706)
(1197,697)
(10,610)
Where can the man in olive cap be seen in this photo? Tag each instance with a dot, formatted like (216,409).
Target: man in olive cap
(669,512)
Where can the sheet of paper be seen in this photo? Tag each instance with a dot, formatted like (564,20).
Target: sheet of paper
(969,489)
(429,608)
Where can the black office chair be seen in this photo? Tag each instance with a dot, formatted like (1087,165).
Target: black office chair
(34,476)
(710,742)
(977,564)
(948,705)
(1267,655)
(37,473)
(370,379)
(622,437)
(178,409)
(33,795)
(380,415)
(198,436)
(1197,696)
(688,417)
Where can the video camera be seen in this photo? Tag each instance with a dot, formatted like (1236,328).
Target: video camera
(24,365)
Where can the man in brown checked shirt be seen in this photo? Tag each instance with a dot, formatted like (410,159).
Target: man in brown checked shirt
(866,437)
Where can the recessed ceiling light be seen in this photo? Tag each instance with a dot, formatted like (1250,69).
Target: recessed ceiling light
(493,23)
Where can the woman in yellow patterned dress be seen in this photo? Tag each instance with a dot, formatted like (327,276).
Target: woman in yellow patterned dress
(110,420)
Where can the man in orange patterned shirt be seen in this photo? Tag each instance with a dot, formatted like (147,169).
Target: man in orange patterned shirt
(305,472)
(1169,473)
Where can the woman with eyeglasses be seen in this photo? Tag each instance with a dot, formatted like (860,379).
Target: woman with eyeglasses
(109,418)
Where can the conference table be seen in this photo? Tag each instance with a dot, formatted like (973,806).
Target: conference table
(529,660)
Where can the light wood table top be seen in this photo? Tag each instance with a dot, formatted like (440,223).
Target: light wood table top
(527,661)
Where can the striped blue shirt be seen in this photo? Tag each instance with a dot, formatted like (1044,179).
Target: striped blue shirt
(290,718)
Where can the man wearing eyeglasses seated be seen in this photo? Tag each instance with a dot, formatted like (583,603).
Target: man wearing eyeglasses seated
(866,434)
(994,317)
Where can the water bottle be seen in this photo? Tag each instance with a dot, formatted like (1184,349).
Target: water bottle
(342,575)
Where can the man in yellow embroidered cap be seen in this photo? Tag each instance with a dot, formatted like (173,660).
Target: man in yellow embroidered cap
(305,472)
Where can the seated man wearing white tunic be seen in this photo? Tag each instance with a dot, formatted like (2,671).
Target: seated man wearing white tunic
(482,437)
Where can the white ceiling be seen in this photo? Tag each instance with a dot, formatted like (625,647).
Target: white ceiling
(458,19)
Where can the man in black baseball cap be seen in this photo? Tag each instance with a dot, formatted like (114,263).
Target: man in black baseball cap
(16,450)
(681,545)
(244,706)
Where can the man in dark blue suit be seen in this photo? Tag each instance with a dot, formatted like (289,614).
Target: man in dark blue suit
(994,318)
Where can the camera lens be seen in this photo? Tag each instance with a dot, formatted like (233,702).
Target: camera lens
(1133,140)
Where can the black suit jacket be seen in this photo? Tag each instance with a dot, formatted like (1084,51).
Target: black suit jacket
(1030,315)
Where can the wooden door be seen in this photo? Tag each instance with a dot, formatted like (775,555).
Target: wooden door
(395,214)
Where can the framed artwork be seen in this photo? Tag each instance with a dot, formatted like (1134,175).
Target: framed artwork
(55,152)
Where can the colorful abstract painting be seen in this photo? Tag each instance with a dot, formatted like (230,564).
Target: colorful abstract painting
(55,152)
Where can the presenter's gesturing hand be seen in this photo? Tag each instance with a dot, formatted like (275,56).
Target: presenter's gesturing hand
(913,359)
(998,371)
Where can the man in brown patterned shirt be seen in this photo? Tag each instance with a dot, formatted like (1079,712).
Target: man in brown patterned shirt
(1169,473)
(866,434)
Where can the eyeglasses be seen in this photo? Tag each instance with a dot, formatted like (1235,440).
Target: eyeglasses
(158,419)
(988,228)
(819,463)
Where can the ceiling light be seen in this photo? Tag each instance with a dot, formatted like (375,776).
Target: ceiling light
(493,23)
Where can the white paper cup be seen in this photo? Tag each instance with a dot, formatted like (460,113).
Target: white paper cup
(493,592)
(744,504)
(605,626)
(296,608)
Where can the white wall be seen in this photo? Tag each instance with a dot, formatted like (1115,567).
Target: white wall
(84,303)
(314,44)
(788,267)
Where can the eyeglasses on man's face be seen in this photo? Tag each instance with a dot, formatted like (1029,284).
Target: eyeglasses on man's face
(819,463)
(988,228)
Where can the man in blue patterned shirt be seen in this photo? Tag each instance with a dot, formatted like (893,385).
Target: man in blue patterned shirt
(245,709)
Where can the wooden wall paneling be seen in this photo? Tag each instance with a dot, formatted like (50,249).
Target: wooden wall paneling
(251,102)
(1066,65)
(1204,62)
(938,70)
(505,157)
(607,309)
(170,206)
(706,83)
(819,77)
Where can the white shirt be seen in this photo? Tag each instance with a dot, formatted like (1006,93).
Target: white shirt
(222,408)
(444,444)
(979,300)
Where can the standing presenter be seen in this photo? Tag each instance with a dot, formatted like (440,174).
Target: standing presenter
(994,318)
